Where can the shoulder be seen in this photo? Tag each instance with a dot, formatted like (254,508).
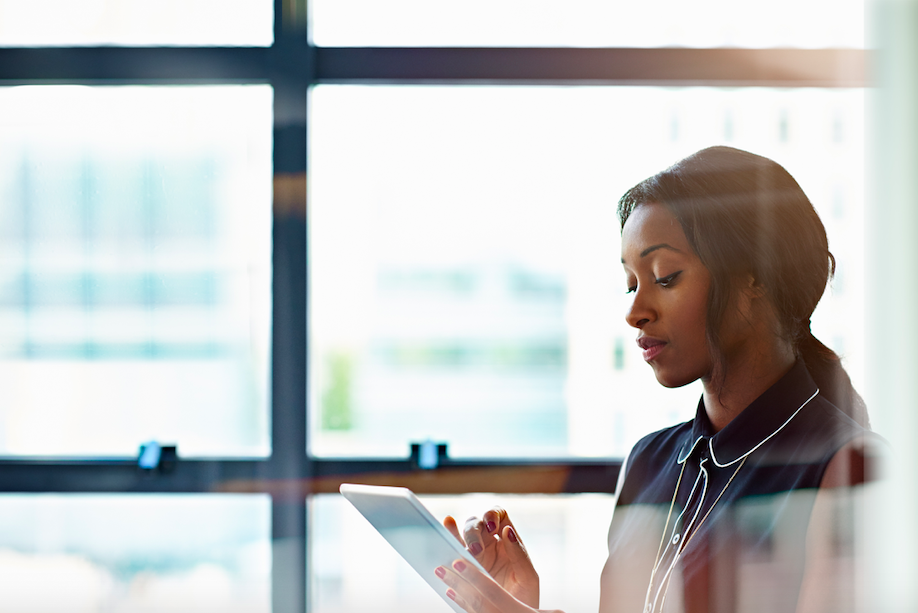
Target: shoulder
(652,457)
(848,453)
(662,445)
(817,434)
(859,461)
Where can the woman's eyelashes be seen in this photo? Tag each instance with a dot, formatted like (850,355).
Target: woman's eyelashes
(666,281)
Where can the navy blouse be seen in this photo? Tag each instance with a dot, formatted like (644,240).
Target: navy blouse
(717,521)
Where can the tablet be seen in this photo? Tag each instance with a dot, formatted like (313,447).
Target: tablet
(411,529)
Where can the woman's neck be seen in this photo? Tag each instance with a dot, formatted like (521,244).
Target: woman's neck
(745,378)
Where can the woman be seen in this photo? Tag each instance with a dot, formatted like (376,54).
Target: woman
(748,506)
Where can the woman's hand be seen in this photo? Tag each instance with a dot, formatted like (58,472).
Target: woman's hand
(494,542)
(476,592)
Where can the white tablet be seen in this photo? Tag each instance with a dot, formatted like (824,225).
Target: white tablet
(411,530)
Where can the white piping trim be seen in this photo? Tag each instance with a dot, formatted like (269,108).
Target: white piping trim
(677,554)
(762,442)
(690,450)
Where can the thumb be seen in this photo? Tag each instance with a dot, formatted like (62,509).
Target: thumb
(515,548)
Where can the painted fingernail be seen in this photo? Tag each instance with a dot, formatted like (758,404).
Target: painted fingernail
(440,572)
(459,565)
(475,548)
(451,594)
(492,526)
(511,535)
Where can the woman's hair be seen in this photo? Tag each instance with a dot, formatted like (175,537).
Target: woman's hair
(743,214)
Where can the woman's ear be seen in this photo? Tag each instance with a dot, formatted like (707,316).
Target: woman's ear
(753,287)
(747,298)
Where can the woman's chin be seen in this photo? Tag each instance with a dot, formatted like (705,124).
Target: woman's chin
(670,379)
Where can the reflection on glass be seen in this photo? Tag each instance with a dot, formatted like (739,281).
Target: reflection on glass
(135,553)
(465,283)
(189,23)
(354,569)
(588,23)
(135,229)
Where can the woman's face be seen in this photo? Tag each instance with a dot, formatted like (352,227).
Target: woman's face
(669,289)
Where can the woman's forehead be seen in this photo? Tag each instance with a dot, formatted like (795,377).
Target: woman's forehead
(649,226)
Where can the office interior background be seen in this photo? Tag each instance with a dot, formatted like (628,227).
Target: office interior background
(305,245)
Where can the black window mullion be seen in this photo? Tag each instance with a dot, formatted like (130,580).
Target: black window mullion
(258,476)
(289,469)
(289,466)
(81,476)
(160,65)
(616,66)
(294,61)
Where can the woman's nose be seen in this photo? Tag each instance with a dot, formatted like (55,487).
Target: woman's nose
(639,313)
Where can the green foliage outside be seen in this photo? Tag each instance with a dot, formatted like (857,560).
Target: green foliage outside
(337,399)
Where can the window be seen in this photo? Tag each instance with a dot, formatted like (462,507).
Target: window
(586,23)
(134,23)
(136,227)
(456,262)
(136,552)
(464,255)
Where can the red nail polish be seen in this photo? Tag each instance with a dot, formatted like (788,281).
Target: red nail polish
(451,594)
(440,572)
(459,565)
(491,526)
(511,535)
(475,548)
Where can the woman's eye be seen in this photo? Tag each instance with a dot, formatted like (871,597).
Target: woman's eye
(668,279)
(631,289)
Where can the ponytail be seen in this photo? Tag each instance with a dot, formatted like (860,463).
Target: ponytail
(834,383)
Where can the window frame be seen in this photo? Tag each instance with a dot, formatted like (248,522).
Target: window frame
(291,65)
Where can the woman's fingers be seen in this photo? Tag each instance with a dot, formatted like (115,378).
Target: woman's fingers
(479,534)
(449,523)
(476,592)
(495,544)
(497,527)
(486,586)
(460,591)
(459,600)
(514,546)
(496,519)
(474,532)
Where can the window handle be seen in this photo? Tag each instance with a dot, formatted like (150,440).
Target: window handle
(428,455)
(153,456)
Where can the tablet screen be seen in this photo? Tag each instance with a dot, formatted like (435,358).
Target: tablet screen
(411,529)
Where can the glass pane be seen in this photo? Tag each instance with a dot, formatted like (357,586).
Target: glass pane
(135,554)
(465,272)
(135,231)
(587,23)
(136,23)
(354,569)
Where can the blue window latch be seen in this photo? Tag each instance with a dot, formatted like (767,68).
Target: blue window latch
(153,456)
(428,455)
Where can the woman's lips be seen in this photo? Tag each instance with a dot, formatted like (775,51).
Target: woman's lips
(651,347)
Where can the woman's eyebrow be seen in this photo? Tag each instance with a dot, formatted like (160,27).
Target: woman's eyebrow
(653,248)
